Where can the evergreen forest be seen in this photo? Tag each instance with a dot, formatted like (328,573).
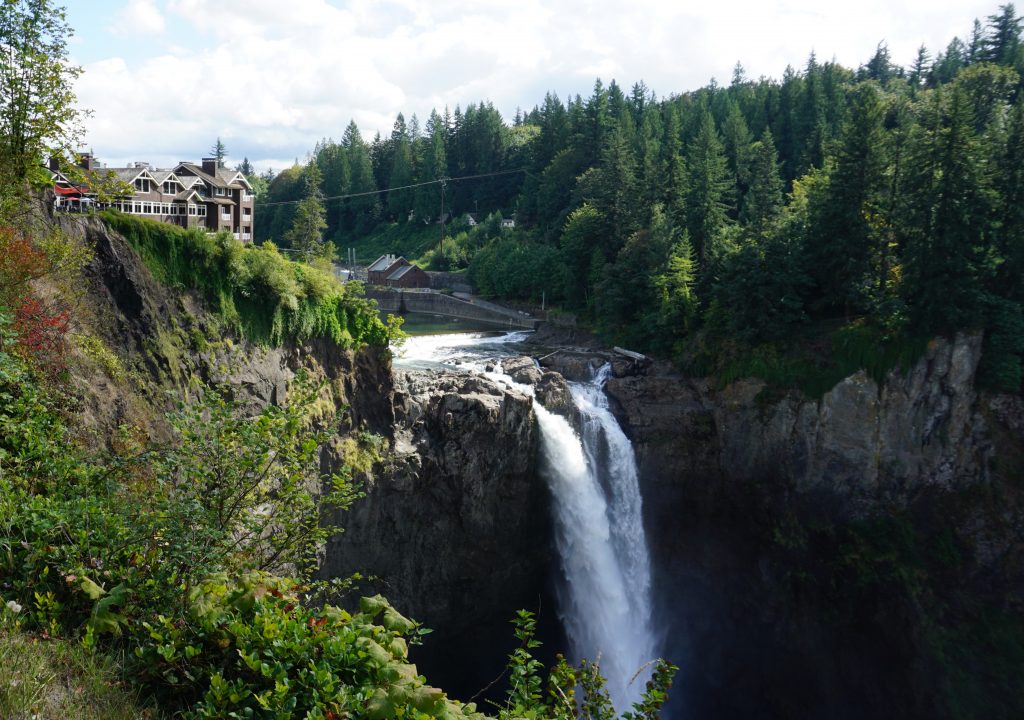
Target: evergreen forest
(852,213)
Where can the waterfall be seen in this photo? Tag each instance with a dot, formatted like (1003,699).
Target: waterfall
(605,596)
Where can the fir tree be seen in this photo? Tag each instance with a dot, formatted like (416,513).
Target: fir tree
(306,233)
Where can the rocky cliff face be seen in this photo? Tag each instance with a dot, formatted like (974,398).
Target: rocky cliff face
(456,527)
(862,446)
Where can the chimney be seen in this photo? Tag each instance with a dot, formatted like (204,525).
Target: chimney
(210,166)
(54,163)
(86,161)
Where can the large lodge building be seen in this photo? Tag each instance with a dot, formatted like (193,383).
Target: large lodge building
(204,196)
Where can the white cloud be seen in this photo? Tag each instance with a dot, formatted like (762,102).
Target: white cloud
(271,78)
(138,17)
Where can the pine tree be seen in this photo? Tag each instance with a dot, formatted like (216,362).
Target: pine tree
(948,64)
(306,233)
(1002,42)
(400,200)
(763,200)
(976,47)
(945,218)
(219,152)
(434,165)
(359,214)
(710,188)
(920,69)
(337,180)
(738,149)
(842,237)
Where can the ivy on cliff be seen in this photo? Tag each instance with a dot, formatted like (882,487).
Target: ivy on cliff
(255,290)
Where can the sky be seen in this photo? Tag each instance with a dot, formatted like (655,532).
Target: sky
(165,78)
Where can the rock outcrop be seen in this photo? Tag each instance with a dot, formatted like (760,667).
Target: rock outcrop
(862,446)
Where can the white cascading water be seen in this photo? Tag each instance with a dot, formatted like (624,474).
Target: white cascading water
(605,599)
(605,593)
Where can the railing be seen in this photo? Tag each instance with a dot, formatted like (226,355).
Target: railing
(236,236)
(225,216)
(246,197)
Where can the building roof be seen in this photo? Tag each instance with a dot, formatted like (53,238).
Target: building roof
(233,179)
(129,174)
(198,171)
(382,263)
(400,272)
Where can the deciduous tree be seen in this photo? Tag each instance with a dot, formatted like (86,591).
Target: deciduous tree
(38,113)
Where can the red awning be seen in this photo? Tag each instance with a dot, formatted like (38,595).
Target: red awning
(67,191)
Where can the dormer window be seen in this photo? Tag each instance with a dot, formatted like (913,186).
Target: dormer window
(142,184)
(169,187)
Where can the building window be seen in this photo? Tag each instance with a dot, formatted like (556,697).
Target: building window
(202,211)
(147,208)
(142,185)
(191,209)
(137,208)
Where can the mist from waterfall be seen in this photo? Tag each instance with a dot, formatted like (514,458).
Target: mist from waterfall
(605,594)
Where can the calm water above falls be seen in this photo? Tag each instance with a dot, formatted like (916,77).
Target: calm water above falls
(605,591)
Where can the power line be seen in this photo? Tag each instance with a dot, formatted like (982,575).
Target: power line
(403,187)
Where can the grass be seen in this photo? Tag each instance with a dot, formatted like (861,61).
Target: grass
(53,679)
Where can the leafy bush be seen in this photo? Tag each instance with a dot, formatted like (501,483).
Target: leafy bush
(256,291)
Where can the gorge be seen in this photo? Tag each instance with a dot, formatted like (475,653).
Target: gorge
(848,556)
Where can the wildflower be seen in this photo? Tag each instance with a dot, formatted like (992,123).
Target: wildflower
(13,607)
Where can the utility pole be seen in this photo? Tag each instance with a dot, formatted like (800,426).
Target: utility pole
(444,183)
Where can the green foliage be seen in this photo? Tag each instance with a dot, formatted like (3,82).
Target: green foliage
(510,268)
(261,508)
(38,112)
(306,233)
(255,290)
(254,649)
(570,693)
(815,371)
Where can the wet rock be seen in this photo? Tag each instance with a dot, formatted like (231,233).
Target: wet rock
(554,394)
(521,369)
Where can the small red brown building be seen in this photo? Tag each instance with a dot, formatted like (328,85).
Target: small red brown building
(396,272)
(407,276)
